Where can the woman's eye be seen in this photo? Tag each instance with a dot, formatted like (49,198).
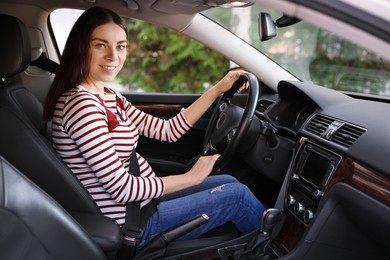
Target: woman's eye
(100,45)
(121,47)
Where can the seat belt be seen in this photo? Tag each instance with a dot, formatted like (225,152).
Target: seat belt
(132,229)
(45,63)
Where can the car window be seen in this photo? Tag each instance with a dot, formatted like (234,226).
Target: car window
(61,21)
(310,53)
(158,60)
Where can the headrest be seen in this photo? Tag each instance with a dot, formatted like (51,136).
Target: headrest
(15,46)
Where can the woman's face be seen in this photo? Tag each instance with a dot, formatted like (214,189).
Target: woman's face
(107,53)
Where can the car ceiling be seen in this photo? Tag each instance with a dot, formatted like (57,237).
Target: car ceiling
(164,6)
(160,11)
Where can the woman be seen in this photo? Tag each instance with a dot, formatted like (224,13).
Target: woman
(95,130)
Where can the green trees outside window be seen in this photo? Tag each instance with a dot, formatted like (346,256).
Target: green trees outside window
(162,60)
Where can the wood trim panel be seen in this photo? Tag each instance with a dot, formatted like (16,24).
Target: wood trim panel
(159,110)
(289,236)
(375,184)
(372,183)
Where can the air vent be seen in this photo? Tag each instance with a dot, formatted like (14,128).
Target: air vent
(334,130)
(347,135)
(319,124)
(263,105)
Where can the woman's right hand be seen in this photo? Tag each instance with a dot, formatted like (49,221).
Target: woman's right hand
(198,173)
(202,168)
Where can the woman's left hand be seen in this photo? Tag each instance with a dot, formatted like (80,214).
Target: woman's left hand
(228,80)
(199,107)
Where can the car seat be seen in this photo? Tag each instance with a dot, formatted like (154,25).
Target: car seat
(34,226)
(23,143)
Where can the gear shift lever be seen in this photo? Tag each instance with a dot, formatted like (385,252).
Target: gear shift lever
(257,245)
(270,218)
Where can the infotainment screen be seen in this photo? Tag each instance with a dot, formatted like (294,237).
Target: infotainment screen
(315,168)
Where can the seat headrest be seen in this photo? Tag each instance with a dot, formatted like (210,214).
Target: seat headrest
(15,46)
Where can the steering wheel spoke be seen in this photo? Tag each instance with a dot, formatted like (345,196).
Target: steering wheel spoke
(209,149)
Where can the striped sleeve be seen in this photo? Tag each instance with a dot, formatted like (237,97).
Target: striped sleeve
(157,128)
(85,121)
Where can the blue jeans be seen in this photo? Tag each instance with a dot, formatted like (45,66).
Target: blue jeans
(221,197)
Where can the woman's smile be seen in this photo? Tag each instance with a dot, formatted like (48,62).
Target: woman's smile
(108,68)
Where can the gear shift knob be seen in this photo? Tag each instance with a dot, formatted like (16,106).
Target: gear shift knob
(256,248)
(270,218)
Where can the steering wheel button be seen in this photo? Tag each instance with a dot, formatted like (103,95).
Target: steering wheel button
(268,158)
(222,107)
(231,135)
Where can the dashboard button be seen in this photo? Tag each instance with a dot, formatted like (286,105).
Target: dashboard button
(318,193)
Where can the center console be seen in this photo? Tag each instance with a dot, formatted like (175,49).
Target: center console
(311,172)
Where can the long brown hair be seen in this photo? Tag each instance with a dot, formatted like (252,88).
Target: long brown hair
(74,66)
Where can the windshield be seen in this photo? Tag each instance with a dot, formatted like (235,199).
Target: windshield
(310,53)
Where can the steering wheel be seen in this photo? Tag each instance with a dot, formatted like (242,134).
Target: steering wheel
(229,123)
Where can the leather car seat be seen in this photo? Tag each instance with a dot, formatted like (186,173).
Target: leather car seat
(34,226)
(24,144)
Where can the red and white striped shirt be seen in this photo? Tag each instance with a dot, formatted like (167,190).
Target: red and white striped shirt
(98,151)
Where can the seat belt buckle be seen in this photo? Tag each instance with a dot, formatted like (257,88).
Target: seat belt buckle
(129,242)
(131,236)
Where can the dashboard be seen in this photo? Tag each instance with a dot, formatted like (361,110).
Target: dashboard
(324,115)
(338,177)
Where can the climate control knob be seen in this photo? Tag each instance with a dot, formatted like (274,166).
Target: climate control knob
(299,208)
(291,201)
(307,216)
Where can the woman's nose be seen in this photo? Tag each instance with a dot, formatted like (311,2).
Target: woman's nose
(111,54)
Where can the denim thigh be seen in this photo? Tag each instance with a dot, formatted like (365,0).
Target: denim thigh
(226,202)
(208,183)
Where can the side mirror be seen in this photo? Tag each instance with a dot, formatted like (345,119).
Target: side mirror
(267,27)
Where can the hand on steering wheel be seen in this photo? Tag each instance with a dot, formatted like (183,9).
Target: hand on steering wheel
(229,123)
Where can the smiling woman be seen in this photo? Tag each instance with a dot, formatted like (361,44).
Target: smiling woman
(96,132)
